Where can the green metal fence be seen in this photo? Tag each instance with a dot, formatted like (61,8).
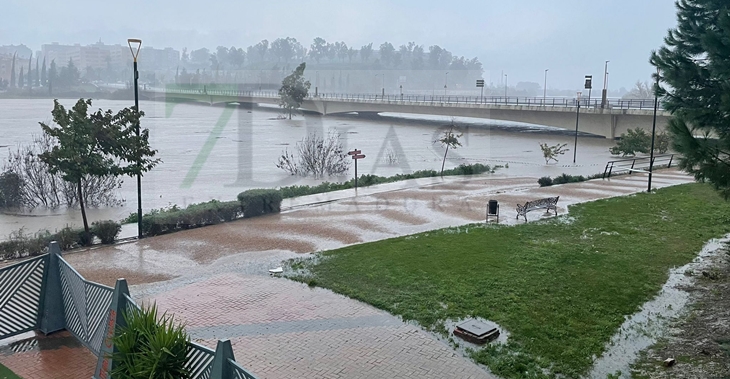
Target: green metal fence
(47,294)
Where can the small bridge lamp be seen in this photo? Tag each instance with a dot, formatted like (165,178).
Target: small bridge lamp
(134,42)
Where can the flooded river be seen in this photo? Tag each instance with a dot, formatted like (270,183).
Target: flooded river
(217,152)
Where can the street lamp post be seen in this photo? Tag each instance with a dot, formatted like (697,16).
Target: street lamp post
(316,86)
(133,42)
(577,117)
(446,82)
(544,88)
(505,88)
(383,86)
(653,129)
(604,96)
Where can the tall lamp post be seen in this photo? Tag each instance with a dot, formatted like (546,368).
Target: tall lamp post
(133,42)
(653,129)
(505,88)
(577,117)
(446,82)
(604,96)
(544,88)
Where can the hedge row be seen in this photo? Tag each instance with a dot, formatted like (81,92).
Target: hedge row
(366,180)
(22,244)
(257,202)
(547,181)
(160,222)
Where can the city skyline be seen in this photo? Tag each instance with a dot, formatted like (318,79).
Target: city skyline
(570,38)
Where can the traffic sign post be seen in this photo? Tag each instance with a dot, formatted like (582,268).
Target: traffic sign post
(589,87)
(480,84)
(356,155)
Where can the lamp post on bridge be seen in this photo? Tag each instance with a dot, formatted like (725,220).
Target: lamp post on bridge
(577,117)
(604,96)
(505,88)
(446,82)
(135,53)
(544,88)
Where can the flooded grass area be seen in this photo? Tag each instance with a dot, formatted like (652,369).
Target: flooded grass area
(561,289)
(699,339)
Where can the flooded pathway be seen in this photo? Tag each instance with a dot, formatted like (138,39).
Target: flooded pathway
(216,278)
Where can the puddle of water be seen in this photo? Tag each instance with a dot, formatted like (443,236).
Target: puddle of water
(642,329)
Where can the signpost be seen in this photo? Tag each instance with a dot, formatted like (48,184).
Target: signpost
(589,87)
(356,154)
(480,84)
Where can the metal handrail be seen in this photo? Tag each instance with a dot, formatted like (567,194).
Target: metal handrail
(621,167)
(431,99)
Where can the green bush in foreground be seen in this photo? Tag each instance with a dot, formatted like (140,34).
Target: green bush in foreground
(257,202)
(560,287)
(150,346)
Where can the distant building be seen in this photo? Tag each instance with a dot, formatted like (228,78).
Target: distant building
(99,56)
(6,63)
(21,50)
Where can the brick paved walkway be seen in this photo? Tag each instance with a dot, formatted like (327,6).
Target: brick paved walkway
(57,356)
(284,329)
(215,280)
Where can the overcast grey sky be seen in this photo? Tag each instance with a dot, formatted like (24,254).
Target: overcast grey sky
(572,38)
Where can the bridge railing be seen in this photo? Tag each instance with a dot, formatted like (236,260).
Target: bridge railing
(435,99)
(640,164)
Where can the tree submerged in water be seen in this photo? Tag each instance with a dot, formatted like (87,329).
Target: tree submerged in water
(97,145)
(318,156)
(551,153)
(35,186)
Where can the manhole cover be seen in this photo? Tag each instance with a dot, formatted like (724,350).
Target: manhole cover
(476,327)
(477,332)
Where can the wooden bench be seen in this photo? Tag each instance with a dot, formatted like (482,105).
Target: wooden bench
(547,204)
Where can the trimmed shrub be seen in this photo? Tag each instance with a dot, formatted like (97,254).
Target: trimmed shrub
(565,178)
(107,231)
(171,220)
(545,181)
(257,202)
(68,238)
(85,239)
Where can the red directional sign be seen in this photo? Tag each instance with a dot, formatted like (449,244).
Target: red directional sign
(358,156)
(354,152)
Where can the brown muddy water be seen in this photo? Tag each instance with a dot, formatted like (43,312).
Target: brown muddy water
(216,152)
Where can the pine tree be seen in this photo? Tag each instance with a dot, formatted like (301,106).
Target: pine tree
(12,73)
(693,67)
(36,75)
(52,76)
(30,71)
(43,72)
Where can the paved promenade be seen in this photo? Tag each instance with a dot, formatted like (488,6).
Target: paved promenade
(215,279)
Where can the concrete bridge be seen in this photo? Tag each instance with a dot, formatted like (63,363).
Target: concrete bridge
(609,122)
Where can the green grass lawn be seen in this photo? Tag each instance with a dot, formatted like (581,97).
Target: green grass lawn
(561,287)
(5,373)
